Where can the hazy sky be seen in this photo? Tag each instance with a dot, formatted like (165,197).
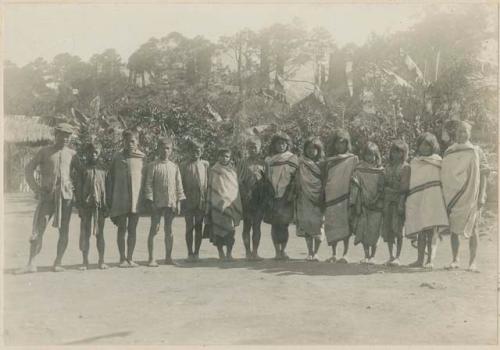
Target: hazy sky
(45,30)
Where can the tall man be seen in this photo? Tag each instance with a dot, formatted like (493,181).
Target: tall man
(57,163)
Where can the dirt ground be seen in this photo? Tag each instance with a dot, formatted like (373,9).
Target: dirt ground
(266,302)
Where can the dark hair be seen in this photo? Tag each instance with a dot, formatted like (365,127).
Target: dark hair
(338,134)
(400,146)
(372,148)
(253,141)
(91,147)
(222,150)
(130,133)
(451,127)
(316,142)
(430,139)
(165,141)
(279,136)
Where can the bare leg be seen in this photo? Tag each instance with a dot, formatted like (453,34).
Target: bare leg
(399,245)
(284,242)
(100,241)
(366,248)
(256,233)
(169,237)
(131,239)
(317,243)
(120,237)
(346,246)
(421,243)
(390,245)
(153,230)
(473,244)
(189,233)
(220,249)
(455,246)
(85,232)
(310,248)
(277,248)
(198,228)
(247,225)
(62,243)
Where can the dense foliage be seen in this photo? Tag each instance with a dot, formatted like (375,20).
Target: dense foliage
(400,85)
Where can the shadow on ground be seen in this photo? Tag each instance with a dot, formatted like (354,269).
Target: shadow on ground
(271,266)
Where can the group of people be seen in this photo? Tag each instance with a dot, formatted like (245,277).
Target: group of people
(327,192)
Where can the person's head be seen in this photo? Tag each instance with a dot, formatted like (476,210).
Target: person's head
(280,143)
(253,146)
(165,147)
(313,148)
(427,145)
(195,150)
(62,134)
(92,152)
(463,132)
(224,155)
(339,142)
(370,153)
(450,127)
(399,152)
(130,140)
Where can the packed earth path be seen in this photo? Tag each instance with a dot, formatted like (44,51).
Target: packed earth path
(237,303)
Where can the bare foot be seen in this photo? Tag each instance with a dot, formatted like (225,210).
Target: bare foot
(343,260)
(331,259)
(453,266)
(256,257)
(26,269)
(230,258)
(152,263)
(124,264)
(284,256)
(169,261)
(103,266)
(83,268)
(58,268)
(473,268)
(416,264)
(429,266)
(134,264)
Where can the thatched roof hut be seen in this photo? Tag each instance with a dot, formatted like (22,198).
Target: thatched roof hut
(26,130)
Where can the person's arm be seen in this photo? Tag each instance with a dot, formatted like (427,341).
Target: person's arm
(148,183)
(110,180)
(404,188)
(29,172)
(179,188)
(484,171)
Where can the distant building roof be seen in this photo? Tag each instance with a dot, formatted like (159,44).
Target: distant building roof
(20,128)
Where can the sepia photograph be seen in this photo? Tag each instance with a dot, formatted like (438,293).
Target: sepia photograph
(249,173)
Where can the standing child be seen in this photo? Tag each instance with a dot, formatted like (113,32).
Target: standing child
(464,176)
(90,195)
(281,167)
(366,200)
(224,204)
(425,209)
(195,183)
(163,192)
(337,172)
(126,177)
(396,183)
(250,173)
(309,204)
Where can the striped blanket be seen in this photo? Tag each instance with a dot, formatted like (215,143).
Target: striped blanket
(280,170)
(366,198)
(308,208)
(461,178)
(224,204)
(338,172)
(425,208)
